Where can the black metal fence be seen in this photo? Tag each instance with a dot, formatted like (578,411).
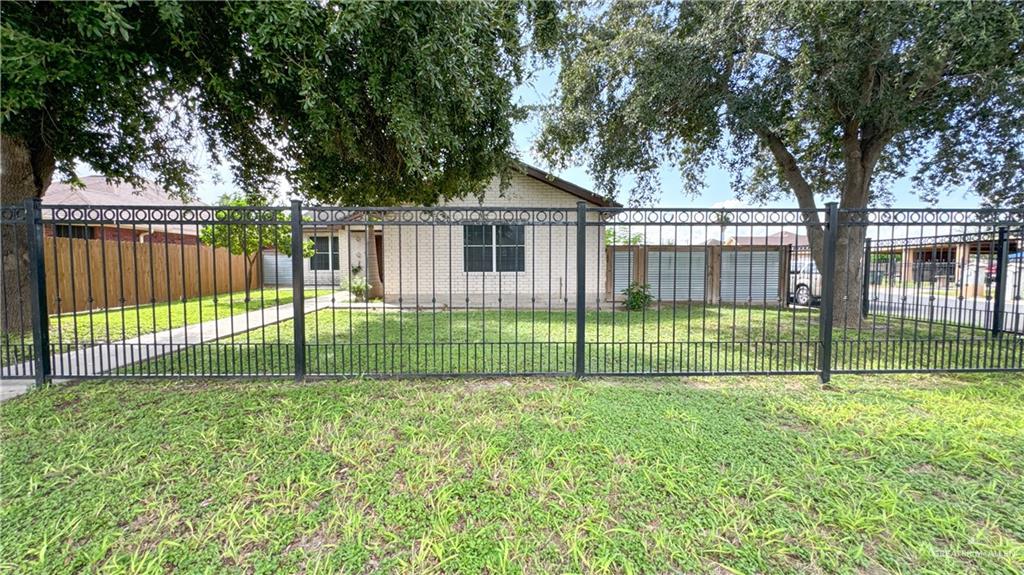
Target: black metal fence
(309,291)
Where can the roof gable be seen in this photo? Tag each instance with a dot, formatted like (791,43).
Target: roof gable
(568,187)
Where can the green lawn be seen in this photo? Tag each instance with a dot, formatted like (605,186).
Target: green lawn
(69,331)
(921,474)
(684,339)
(123,323)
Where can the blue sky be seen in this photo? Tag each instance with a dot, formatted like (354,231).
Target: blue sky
(216,179)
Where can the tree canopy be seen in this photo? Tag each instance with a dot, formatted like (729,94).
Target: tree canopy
(823,100)
(818,99)
(357,102)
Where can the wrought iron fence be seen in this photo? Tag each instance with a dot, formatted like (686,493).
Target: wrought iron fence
(311,291)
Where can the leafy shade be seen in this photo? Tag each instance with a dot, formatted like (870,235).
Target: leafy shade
(366,103)
(819,99)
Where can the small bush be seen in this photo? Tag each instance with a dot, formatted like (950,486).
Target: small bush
(638,296)
(358,287)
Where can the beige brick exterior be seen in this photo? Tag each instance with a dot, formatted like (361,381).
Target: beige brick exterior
(351,253)
(423,265)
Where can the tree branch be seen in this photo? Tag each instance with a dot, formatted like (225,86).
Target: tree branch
(801,189)
(790,170)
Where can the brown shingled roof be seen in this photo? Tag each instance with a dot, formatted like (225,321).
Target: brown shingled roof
(99,192)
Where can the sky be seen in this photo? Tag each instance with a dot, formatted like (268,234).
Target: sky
(216,180)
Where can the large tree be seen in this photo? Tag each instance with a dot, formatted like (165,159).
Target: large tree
(821,100)
(354,102)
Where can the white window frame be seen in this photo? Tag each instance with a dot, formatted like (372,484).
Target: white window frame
(331,240)
(494,249)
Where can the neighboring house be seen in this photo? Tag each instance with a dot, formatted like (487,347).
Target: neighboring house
(778,239)
(967,261)
(98,193)
(494,263)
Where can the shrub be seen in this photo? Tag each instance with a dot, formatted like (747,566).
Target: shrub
(358,287)
(638,296)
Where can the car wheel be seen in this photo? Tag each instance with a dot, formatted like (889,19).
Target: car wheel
(802,296)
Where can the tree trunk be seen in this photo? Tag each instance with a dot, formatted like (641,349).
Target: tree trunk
(25,173)
(862,147)
(249,279)
(848,298)
(375,288)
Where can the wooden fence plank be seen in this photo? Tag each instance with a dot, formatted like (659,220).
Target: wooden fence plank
(83,275)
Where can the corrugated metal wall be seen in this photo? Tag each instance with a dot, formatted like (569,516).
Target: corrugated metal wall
(750,277)
(676,275)
(623,272)
(277,268)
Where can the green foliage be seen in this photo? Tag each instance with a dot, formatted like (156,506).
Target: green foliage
(352,341)
(85,328)
(351,101)
(241,238)
(815,97)
(618,237)
(358,287)
(638,296)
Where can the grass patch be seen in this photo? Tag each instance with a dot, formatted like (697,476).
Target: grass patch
(706,339)
(900,474)
(76,330)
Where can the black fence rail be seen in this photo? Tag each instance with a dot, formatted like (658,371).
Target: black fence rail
(311,291)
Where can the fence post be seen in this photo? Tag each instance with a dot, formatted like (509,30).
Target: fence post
(1002,261)
(865,297)
(298,293)
(37,295)
(828,273)
(581,286)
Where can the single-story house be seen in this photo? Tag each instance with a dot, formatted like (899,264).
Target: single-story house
(484,258)
(963,260)
(783,238)
(97,192)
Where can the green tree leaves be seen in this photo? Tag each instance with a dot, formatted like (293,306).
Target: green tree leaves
(814,98)
(354,102)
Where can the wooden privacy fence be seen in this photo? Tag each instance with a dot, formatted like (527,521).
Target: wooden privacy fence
(96,274)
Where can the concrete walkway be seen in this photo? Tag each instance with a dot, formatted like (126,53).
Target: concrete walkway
(10,388)
(105,357)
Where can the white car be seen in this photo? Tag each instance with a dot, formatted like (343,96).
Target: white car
(805,283)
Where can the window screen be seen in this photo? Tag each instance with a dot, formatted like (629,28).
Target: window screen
(478,242)
(510,243)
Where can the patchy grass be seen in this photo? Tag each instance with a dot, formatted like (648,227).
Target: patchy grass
(666,340)
(902,474)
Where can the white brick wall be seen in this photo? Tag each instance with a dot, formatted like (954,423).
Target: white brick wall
(352,252)
(423,265)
